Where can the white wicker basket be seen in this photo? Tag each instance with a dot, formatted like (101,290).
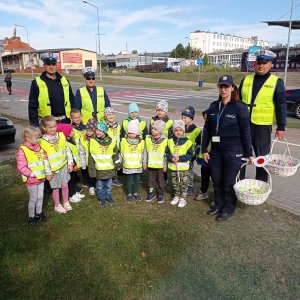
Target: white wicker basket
(246,189)
(281,164)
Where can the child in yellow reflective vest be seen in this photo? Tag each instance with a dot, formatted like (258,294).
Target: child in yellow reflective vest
(33,165)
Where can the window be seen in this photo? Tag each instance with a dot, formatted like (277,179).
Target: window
(88,63)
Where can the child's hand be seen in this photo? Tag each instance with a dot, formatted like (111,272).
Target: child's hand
(145,167)
(70,168)
(49,177)
(175,159)
(165,169)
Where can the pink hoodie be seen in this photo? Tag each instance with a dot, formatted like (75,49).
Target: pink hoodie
(22,164)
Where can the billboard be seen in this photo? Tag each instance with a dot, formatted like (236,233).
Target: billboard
(72,58)
(251,57)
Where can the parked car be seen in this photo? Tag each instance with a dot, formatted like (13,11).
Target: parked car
(7,131)
(293,102)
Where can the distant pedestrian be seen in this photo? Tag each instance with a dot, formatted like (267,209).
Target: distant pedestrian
(8,81)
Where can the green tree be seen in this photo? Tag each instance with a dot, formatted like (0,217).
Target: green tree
(179,51)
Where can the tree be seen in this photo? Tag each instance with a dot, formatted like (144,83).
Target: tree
(134,52)
(179,51)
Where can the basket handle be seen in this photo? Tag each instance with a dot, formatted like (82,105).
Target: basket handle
(287,148)
(237,179)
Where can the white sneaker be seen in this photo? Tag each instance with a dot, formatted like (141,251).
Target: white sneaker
(59,209)
(181,203)
(67,206)
(74,199)
(202,196)
(92,191)
(174,201)
(78,195)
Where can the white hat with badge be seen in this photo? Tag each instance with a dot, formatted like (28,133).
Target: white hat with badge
(264,55)
(89,72)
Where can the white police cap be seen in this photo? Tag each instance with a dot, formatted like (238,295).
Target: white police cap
(264,55)
(49,57)
(88,72)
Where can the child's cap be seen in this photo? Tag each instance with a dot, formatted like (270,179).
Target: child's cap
(162,105)
(178,123)
(133,127)
(92,124)
(102,127)
(189,112)
(66,129)
(159,125)
(109,110)
(133,107)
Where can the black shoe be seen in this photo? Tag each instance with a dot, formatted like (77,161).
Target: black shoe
(33,221)
(213,211)
(150,197)
(41,217)
(111,201)
(103,203)
(137,197)
(160,199)
(223,216)
(116,182)
(129,198)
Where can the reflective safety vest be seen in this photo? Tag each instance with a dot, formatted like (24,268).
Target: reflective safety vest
(263,111)
(44,108)
(156,153)
(35,163)
(75,153)
(168,125)
(102,155)
(192,136)
(132,154)
(87,104)
(179,150)
(85,143)
(56,152)
(115,133)
(142,126)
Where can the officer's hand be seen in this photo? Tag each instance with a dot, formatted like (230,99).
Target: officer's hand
(206,157)
(279,134)
(250,160)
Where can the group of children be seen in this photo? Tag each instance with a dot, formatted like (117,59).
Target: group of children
(100,149)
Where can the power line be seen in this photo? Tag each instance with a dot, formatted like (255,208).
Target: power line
(288,12)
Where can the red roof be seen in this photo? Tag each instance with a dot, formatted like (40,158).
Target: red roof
(15,43)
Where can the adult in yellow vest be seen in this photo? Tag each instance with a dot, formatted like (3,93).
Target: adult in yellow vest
(90,99)
(50,94)
(264,93)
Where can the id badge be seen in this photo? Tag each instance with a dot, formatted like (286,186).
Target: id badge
(215,139)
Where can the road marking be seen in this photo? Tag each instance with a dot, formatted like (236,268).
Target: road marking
(23,100)
(126,113)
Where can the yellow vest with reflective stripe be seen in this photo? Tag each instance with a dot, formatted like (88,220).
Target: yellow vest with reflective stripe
(168,125)
(264,110)
(87,104)
(132,154)
(192,136)
(156,153)
(35,163)
(44,108)
(114,133)
(85,143)
(102,155)
(179,150)
(142,126)
(75,152)
(56,152)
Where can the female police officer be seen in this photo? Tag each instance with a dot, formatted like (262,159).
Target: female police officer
(227,127)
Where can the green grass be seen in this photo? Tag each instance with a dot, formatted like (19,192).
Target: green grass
(145,251)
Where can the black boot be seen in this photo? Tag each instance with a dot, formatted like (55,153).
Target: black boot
(41,217)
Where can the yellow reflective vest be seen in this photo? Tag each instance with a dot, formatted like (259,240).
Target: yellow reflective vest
(263,111)
(156,153)
(85,143)
(132,154)
(114,133)
(35,163)
(44,108)
(56,152)
(102,155)
(179,150)
(142,126)
(87,104)
(192,136)
(168,125)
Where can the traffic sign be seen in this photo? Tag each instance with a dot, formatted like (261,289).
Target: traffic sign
(199,61)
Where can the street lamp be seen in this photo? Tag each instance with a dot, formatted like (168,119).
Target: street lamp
(100,69)
(28,46)
(190,54)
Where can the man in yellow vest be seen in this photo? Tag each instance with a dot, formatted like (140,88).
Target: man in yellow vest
(91,100)
(50,94)
(264,93)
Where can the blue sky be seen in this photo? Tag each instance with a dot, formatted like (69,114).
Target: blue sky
(144,25)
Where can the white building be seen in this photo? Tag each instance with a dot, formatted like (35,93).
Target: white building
(212,41)
(225,58)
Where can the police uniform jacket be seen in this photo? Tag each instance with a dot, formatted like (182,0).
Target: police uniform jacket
(234,128)
(56,96)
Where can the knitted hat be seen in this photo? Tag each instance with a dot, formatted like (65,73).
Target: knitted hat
(189,112)
(109,110)
(159,125)
(133,107)
(66,129)
(162,105)
(178,123)
(92,124)
(133,127)
(102,127)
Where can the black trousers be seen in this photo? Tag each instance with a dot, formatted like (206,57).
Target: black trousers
(205,178)
(224,166)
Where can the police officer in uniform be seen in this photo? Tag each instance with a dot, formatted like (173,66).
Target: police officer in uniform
(227,128)
(50,94)
(264,93)
(91,100)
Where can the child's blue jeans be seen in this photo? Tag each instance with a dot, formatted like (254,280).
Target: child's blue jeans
(103,188)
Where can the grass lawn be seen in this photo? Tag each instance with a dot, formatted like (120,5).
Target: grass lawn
(145,251)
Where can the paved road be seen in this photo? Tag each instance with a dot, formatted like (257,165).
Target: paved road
(286,191)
